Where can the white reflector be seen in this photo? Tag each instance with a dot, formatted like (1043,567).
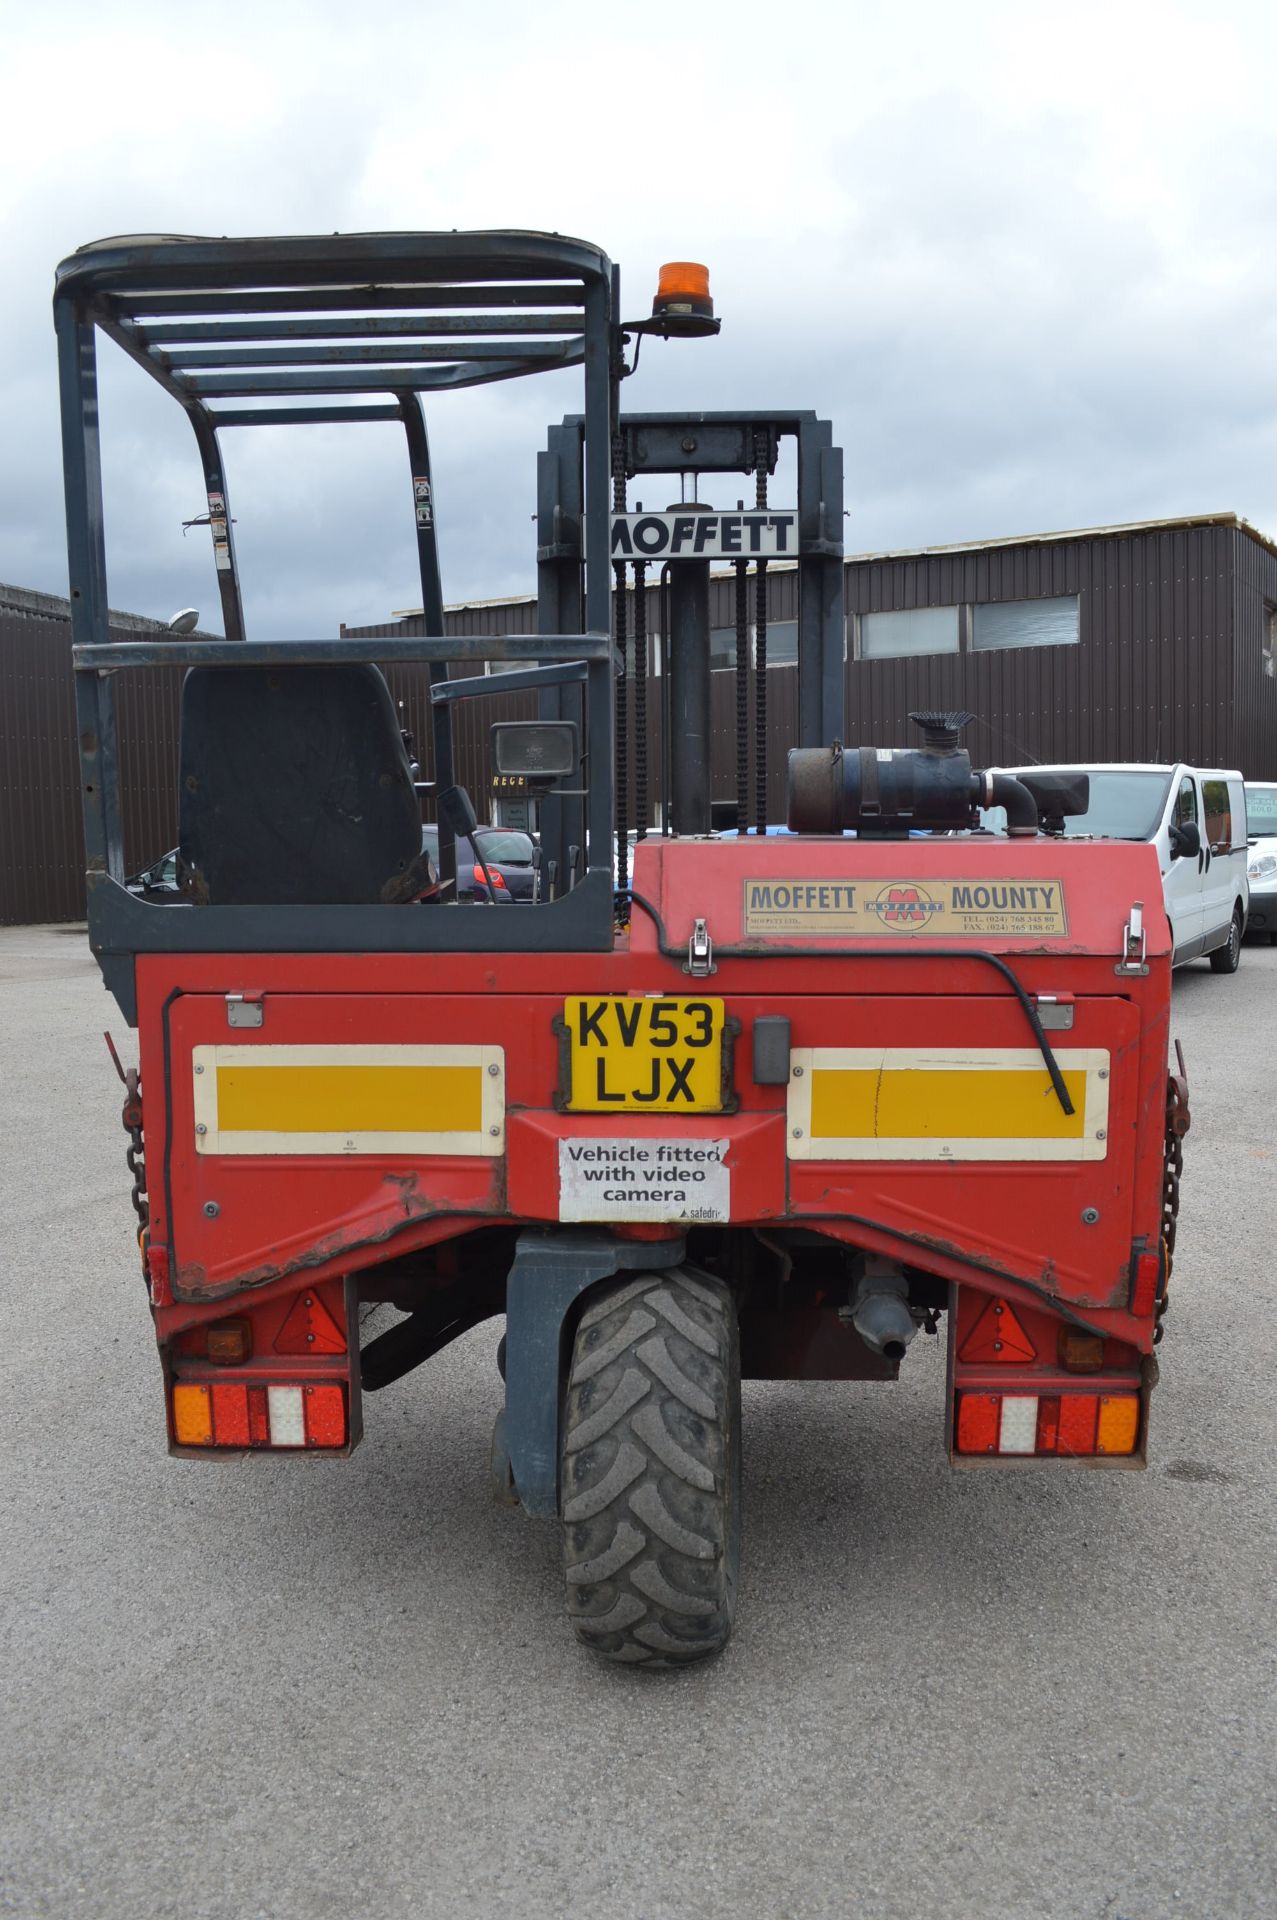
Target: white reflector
(287,1422)
(1017,1434)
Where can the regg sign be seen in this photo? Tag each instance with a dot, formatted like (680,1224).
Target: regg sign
(705,536)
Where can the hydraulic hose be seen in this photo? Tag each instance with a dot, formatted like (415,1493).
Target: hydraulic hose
(1021,808)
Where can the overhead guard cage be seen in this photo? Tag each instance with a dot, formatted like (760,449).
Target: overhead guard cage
(291,332)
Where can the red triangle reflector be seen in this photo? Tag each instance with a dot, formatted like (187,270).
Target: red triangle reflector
(310,1328)
(997,1336)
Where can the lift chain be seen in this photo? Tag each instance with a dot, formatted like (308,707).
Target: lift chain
(620,573)
(1178,1121)
(742,696)
(760,649)
(640,698)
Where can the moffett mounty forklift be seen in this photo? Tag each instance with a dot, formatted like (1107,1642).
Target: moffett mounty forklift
(770,1107)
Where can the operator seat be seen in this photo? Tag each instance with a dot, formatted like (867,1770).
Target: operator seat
(296,790)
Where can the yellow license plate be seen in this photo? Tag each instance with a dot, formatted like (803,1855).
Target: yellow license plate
(644,1056)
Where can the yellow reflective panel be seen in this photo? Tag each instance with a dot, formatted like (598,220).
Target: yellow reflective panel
(192,1416)
(1119,1423)
(918,1103)
(353,1099)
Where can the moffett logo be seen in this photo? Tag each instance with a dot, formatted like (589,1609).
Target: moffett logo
(905,908)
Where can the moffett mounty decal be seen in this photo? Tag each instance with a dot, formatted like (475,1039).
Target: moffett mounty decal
(936,909)
(705,536)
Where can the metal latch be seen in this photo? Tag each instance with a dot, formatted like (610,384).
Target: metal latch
(1134,942)
(244,1010)
(700,952)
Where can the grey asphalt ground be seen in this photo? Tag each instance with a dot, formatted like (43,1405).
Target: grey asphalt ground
(298,1689)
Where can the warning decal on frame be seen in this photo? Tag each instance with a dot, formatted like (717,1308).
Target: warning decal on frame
(935,908)
(644,1180)
(219,528)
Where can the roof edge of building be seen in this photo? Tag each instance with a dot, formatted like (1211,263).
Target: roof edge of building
(55,606)
(1116,531)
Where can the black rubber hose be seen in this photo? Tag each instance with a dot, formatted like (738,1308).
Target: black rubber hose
(1022,809)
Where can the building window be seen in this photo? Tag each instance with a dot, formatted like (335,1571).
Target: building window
(722,647)
(887,636)
(632,654)
(1025,623)
(1268,642)
(782,646)
(782,643)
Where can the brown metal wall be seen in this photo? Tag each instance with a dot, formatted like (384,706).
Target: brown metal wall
(1254,690)
(41,832)
(1151,677)
(41,841)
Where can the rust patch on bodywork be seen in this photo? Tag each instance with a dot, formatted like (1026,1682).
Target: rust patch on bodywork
(192,1278)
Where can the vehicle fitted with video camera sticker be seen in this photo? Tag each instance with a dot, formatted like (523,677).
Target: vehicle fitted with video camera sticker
(703,1108)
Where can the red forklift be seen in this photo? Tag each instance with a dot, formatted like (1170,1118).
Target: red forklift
(761,1105)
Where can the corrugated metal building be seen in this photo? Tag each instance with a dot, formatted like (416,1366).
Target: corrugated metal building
(41,828)
(1151,641)
(1142,642)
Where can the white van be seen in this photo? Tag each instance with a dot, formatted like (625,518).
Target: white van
(1196,818)
(1261,871)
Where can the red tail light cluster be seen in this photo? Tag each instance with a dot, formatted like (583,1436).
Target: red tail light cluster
(498,878)
(235,1414)
(1064,1424)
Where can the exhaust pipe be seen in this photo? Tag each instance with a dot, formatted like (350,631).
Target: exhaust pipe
(880,1314)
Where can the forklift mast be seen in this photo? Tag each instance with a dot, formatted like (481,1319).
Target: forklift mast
(649,446)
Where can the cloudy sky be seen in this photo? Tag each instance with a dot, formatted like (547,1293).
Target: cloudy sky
(1023,257)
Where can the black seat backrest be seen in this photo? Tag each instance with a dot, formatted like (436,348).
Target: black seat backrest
(295,789)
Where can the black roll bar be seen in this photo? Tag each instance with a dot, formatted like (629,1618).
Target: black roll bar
(295,331)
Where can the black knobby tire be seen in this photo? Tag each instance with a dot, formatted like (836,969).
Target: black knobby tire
(1227,959)
(651,1469)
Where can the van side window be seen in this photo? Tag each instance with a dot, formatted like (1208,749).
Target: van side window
(1186,803)
(1219,815)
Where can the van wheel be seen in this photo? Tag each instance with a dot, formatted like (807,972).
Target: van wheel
(1227,958)
(651,1469)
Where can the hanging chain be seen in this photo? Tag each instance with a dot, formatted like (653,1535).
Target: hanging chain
(760,650)
(1178,1121)
(134,1156)
(640,698)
